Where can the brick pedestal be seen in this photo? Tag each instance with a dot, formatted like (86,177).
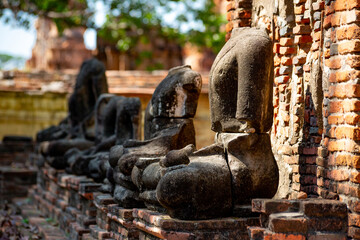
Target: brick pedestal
(66,199)
(113,221)
(154,225)
(84,213)
(315,219)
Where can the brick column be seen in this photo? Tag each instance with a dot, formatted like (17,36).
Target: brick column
(238,15)
(340,174)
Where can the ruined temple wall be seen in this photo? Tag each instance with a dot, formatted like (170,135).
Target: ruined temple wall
(32,101)
(315,133)
(54,50)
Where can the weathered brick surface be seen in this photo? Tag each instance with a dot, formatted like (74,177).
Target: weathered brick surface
(326,36)
(305,219)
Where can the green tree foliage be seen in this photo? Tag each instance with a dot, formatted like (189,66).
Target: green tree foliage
(130,22)
(65,13)
(14,61)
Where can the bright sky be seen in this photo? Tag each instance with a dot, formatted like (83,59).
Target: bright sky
(19,41)
(16,41)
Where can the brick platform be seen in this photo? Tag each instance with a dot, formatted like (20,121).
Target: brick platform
(67,199)
(315,219)
(16,173)
(84,213)
(154,225)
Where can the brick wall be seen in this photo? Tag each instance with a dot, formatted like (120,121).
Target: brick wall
(32,101)
(316,132)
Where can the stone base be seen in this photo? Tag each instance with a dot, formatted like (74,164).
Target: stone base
(83,213)
(67,200)
(113,221)
(15,182)
(314,219)
(154,225)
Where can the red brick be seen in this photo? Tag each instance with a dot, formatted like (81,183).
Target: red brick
(277,71)
(333,63)
(306,68)
(353,61)
(337,19)
(344,106)
(347,132)
(309,151)
(318,6)
(346,5)
(285,42)
(256,232)
(343,145)
(299,10)
(352,118)
(352,16)
(345,91)
(299,39)
(299,60)
(327,236)
(339,175)
(287,50)
(317,36)
(281,236)
(286,61)
(229,27)
(276,48)
(336,119)
(277,61)
(354,232)
(348,32)
(302,29)
(281,80)
(351,105)
(330,8)
(355,177)
(242,13)
(345,159)
(244,22)
(327,225)
(354,205)
(349,47)
(310,160)
(315,47)
(335,107)
(327,21)
(299,19)
(296,178)
(323,208)
(229,15)
(230,6)
(327,53)
(291,159)
(342,76)
(343,188)
(269,206)
(308,180)
(243,4)
(288,222)
(354,191)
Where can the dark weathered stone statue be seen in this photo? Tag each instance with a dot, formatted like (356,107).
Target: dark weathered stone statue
(117,120)
(168,125)
(240,165)
(77,129)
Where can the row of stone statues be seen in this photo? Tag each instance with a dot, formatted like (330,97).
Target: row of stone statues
(164,171)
